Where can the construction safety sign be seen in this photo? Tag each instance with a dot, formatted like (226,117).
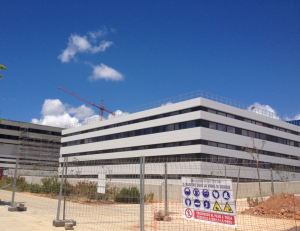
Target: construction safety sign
(209,200)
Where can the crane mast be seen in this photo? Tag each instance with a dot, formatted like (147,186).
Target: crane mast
(102,108)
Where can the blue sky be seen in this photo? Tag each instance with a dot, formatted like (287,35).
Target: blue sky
(144,51)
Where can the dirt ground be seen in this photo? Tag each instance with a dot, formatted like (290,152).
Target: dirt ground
(41,212)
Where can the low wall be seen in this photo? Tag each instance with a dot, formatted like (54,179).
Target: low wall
(175,190)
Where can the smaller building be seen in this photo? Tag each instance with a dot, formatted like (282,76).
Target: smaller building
(37,146)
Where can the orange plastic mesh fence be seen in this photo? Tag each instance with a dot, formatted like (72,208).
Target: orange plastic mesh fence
(279,212)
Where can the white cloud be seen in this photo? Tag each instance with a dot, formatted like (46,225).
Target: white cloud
(52,107)
(81,112)
(117,114)
(104,72)
(55,113)
(102,47)
(82,44)
(59,120)
(297,117)
(264,110)
(99,33)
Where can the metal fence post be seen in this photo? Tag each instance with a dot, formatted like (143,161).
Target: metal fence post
(272,183)
(15,182)
(237,184)
(60,190)
(166,190)
(65,189)
(142,187)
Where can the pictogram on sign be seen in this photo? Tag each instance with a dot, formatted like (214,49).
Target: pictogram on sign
(188,202)
(206,204)
(197,203)
(226,195)
(196,192)
(216,194)
(217,207)
(227,208)
(188,213)
(187,191)
(205,193)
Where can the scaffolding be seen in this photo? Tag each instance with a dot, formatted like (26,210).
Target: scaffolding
(37,152)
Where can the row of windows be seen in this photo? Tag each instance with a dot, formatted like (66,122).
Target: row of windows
(185,125)
(177,144)
(183,112)
(188,158)
(16,128)
(252,121)
(169,176)
(14,158)
(9,137)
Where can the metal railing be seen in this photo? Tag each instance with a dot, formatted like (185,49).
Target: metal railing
(185,97)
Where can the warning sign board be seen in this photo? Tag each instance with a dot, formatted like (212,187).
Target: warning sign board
(217,207)
(227,208)
(209,200)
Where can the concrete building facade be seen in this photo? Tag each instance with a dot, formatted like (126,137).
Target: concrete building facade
(199,132)
(37,146)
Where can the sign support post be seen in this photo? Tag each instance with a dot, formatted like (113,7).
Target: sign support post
(12,206)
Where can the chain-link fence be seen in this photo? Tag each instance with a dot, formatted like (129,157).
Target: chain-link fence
(163,193)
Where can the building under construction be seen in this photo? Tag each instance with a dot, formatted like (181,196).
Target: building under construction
(36,146)
(197,127)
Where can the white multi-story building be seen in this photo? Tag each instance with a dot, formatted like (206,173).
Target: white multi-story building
(198,130)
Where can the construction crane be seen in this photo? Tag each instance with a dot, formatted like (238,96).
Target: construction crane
(102,108)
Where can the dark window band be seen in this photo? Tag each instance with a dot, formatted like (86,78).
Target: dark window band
(186,158)
(178,144)
(9,137)
(16,128)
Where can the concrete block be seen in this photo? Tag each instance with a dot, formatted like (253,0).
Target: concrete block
(12,209)
(69,226)
(19,205)
(22,209)
(62,223)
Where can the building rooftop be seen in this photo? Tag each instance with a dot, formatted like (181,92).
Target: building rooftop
(189,96)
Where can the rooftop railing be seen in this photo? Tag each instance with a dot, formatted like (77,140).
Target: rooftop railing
(185,97)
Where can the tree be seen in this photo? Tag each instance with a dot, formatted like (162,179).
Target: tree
(255,153)
(2,67)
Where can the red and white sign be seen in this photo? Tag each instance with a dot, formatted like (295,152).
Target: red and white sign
(213,217)
(209,200)
(188,213)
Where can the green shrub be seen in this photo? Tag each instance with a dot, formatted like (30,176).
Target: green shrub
(50,185)
(128,195)
(23,187)
(253,201)
(19,180)
(35,188)
(149,197)
(86,189)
